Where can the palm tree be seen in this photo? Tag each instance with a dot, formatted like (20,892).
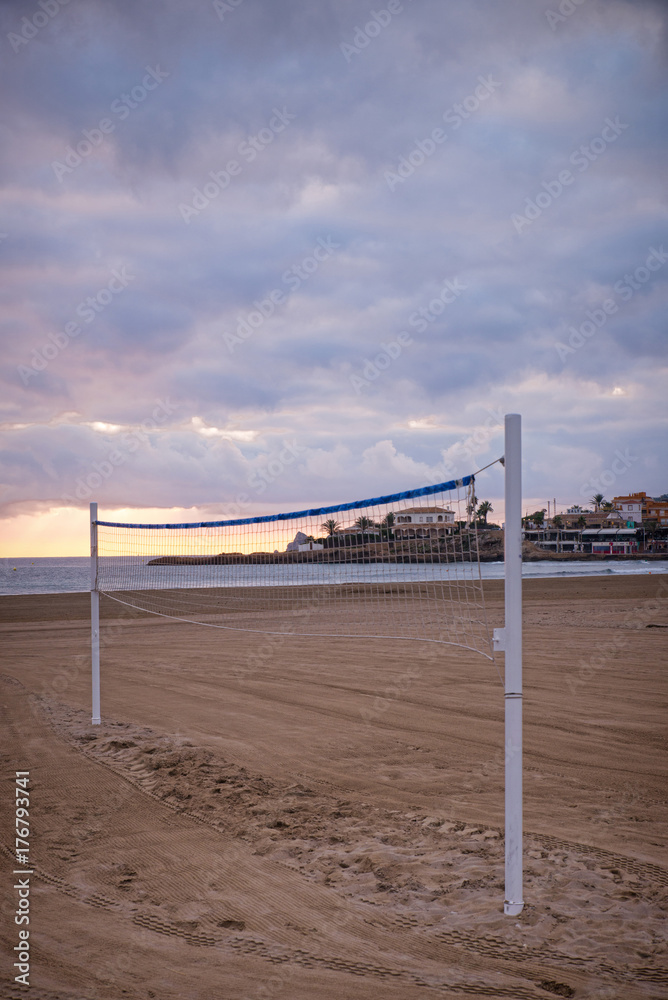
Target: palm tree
(364,523)
(331,526)
(597,500)
(582,521)
(386,525)
(484,509)
(608,505)
(537,517)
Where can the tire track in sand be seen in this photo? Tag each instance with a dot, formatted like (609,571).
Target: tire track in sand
(54,770)
(474,944)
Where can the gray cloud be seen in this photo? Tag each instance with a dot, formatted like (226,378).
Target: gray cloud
(347,121)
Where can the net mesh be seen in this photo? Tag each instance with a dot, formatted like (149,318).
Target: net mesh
(404,566)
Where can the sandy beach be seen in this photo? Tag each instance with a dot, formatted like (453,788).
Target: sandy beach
(285,817)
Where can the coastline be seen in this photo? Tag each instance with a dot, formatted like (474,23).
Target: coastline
(366,558)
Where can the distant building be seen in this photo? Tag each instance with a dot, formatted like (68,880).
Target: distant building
(584,519)
(615,518)
(631,506)
(299,540)
(302,543)
(656,510)
(639,508)
(373,531)
(424,522)
(610,541)
(553,538)
(632,523)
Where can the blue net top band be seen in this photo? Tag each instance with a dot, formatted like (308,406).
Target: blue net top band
(423,491)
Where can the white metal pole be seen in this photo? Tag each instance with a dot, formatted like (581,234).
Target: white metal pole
(513,662)
(94,617)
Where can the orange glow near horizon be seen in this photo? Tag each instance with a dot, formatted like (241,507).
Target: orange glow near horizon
(64,531)
(199,541)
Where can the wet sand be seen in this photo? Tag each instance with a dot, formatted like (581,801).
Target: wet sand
(284,817)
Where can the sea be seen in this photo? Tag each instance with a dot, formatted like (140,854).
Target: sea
(72,575)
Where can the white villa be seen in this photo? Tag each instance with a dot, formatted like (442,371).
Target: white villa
(423,522)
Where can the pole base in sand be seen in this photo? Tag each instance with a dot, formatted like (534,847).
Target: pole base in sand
(512,909)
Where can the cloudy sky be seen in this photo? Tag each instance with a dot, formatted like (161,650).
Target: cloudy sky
(267,254)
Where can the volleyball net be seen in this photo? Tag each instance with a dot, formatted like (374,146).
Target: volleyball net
(402,566)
